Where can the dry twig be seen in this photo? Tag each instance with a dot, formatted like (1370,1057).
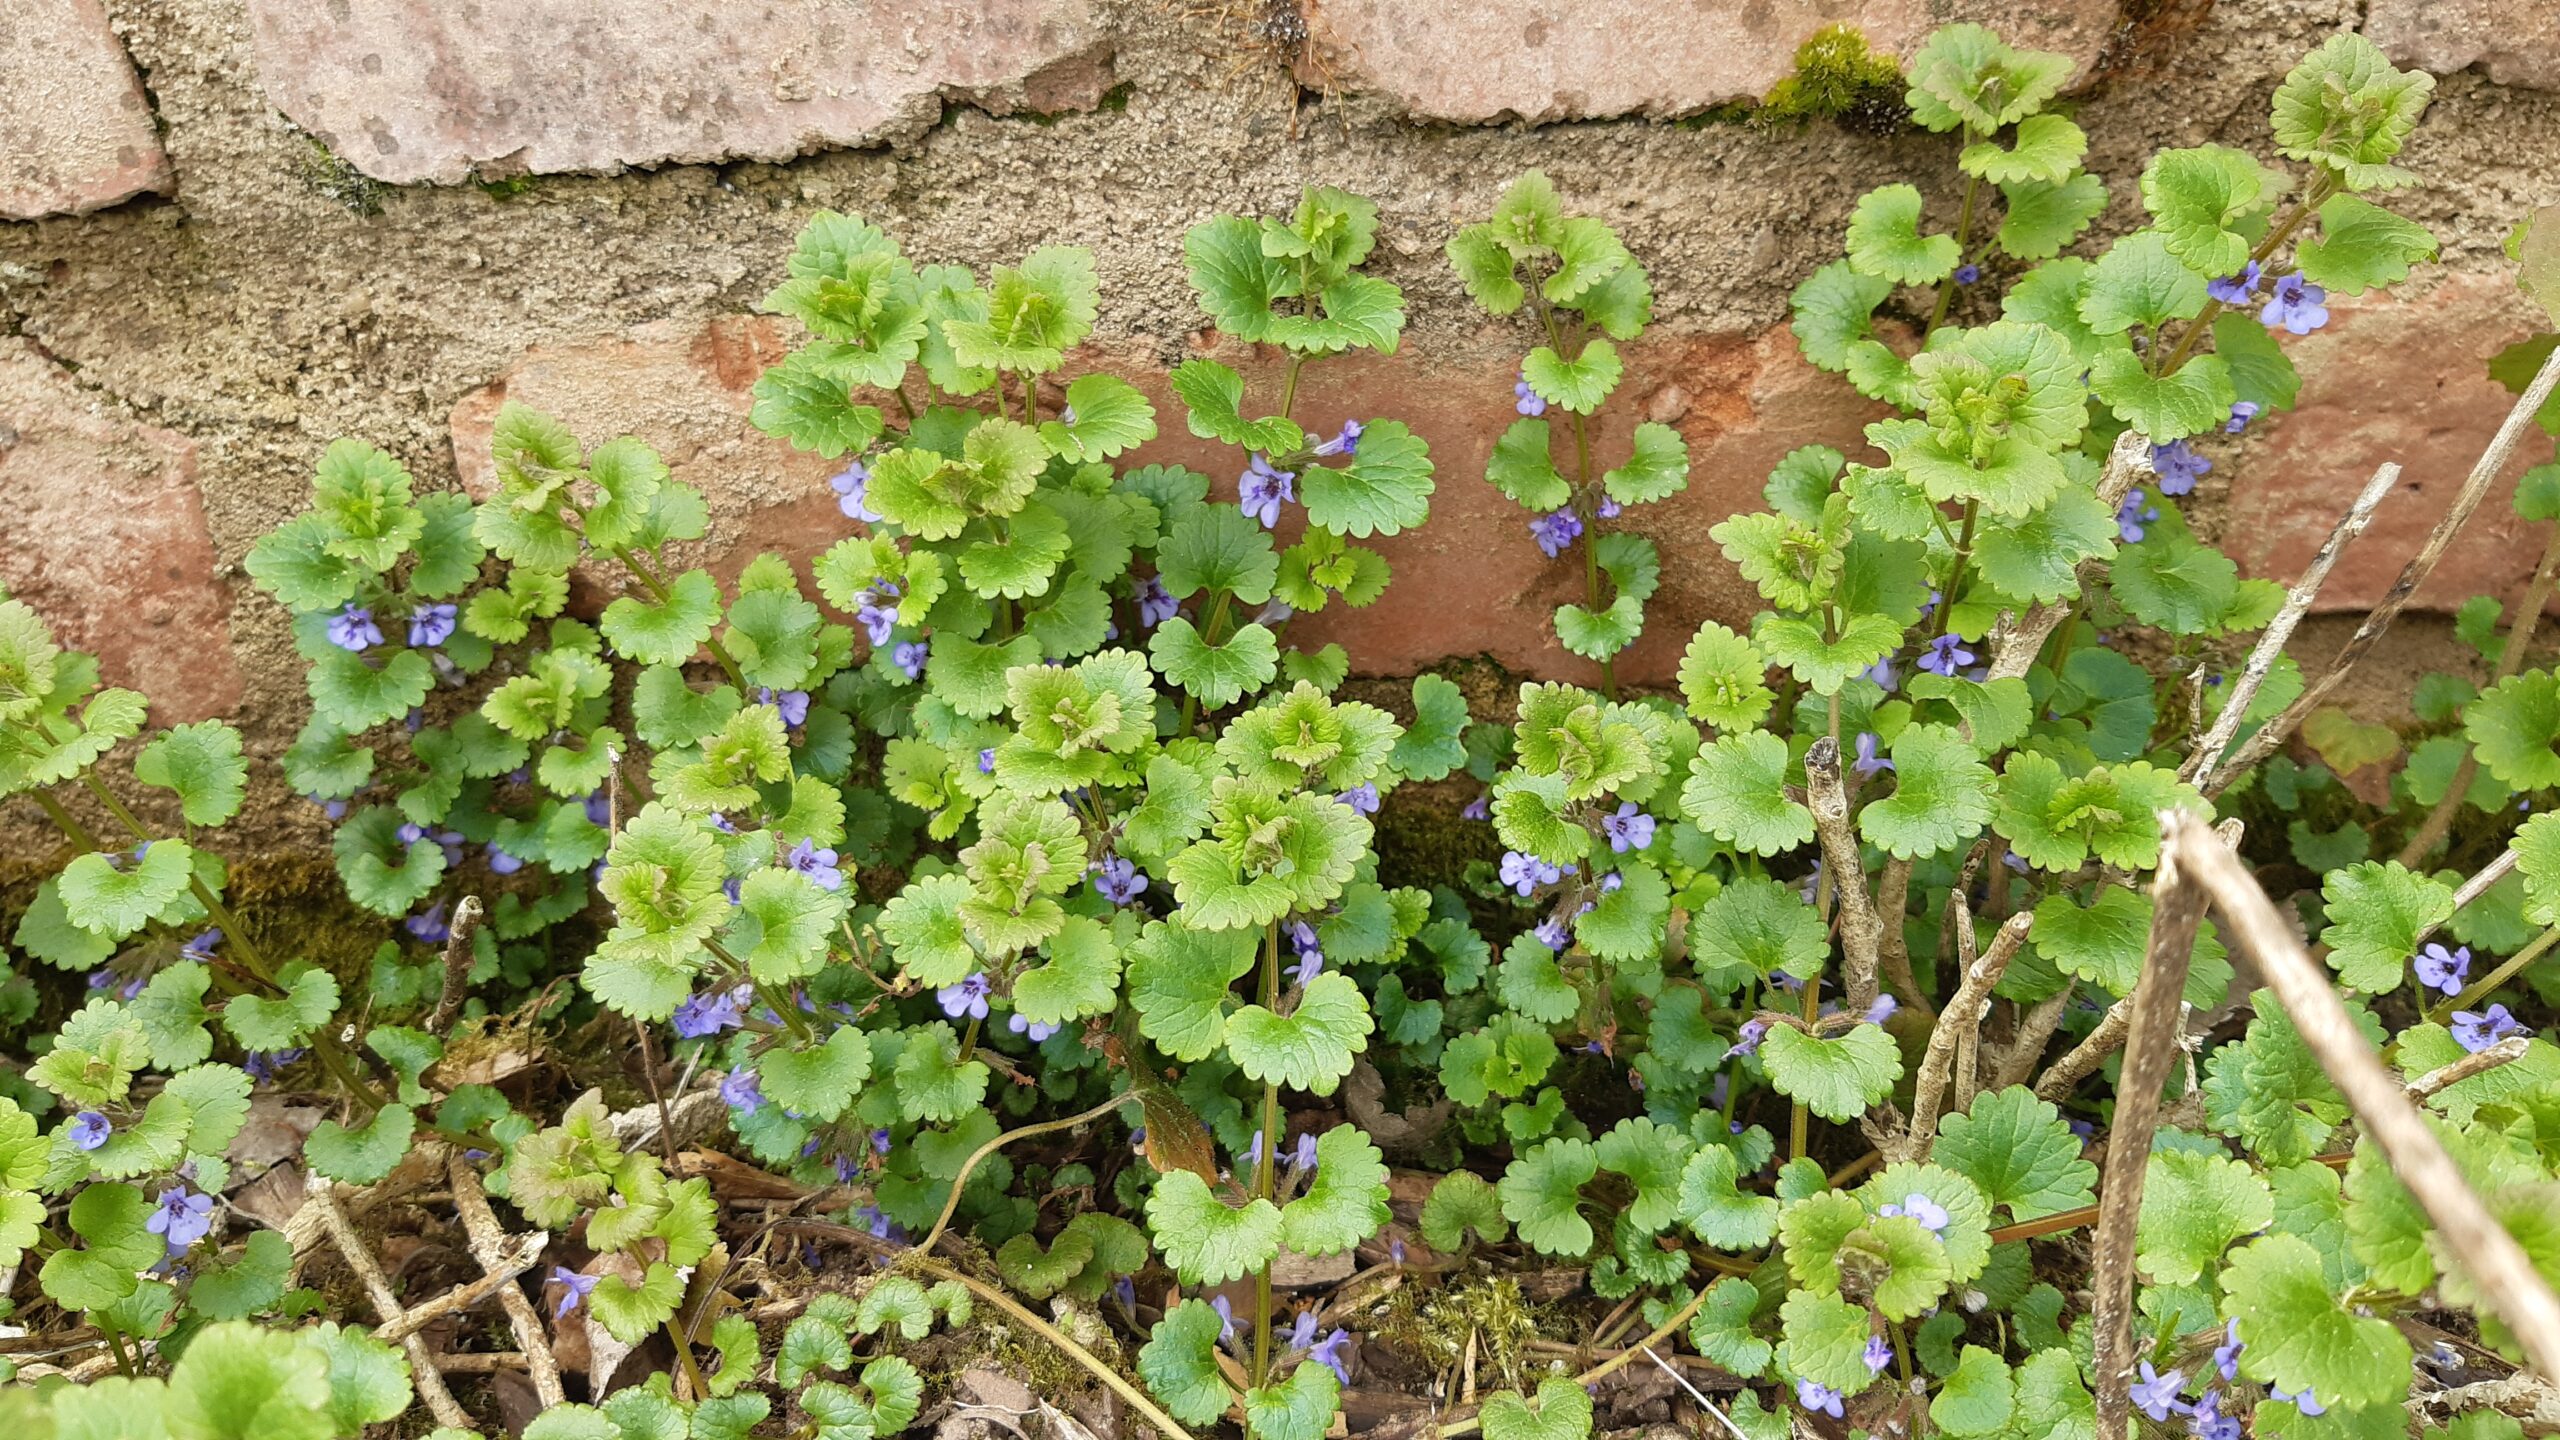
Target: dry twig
(2016,640)
(2158,1013)
(2270,647)
(2508,1283)
(1861,932)
(2445,1077)
(457,964)
(487,1246)
(2475,488)
(320,1194)
(1963,1015)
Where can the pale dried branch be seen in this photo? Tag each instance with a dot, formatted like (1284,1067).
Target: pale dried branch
(2151,1045)
(2472,889)
(2475,488)
(2035,1031)
(488,1241)
(2016,640)
(463,1297)
(2083,1059)
(2446,1076)
(2508,1283)
(1861,932)
(1962,1016)
(320,1194)
(2297,601)
(1893,898)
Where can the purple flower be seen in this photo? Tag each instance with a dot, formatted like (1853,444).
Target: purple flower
(2157,1394)
(1553,934)
(1630,829)
(1556,533)
(1877,1354)
(2306,1402)
(1946,655)
(352,629)
(910,656)
(819,865)
(1327,1352)
(1818,1397)
(1748,1042)
(2179,467)
(1346,443)
(1526,400)
(1967,273)
(2477,1032)
(1155,606)
(182,1218)
(201,948)
(1477,809)
(431,625)
(740,1090)
(707,1014)
(1524,873)
(1302,1155)
(966,999)
(428,924)
(1882,1010)
(794,705)
(1310,952)
(262,1065)
(1363,798)
(89,1130)
(2236,289)
(500,862)
(1261,490)
(2226,1356)
(2297,305)
(1931,1215)
(1881,672)
(2207,1422)
(1867,762)
(2444,970)
(1118,879)
(853,488)
(574,1288)
(1031,1030)
(1226,1316)
(2242,412)
(2135,512)
(879,621)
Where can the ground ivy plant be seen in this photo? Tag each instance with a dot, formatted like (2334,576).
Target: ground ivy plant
(1780,1000)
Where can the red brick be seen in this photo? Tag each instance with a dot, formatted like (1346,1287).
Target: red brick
(103,532)
(2516,41)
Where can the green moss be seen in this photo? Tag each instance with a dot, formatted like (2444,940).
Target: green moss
(329,174)
(510,187)
(1438,1327)
(1837,77)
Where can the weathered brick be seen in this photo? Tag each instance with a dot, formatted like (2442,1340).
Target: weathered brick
(1469,582)
(75,130)
(104,534)
(2516,41)
(2391,377)
(1471,61)
(438,90)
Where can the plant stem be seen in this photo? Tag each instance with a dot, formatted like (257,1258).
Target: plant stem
(2321,189)
(1955,575)
(1046,1127)
(1964,232)
(1267,1174)
(2480,989)
(1799,1120)
(1289,388)
(684,1355)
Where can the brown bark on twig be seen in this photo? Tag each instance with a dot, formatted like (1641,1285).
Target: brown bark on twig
(2151,1045)
(2507,1281)
(457,964)
(321,1194)
(1861,932)
(2016,640)
(1963,1015)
